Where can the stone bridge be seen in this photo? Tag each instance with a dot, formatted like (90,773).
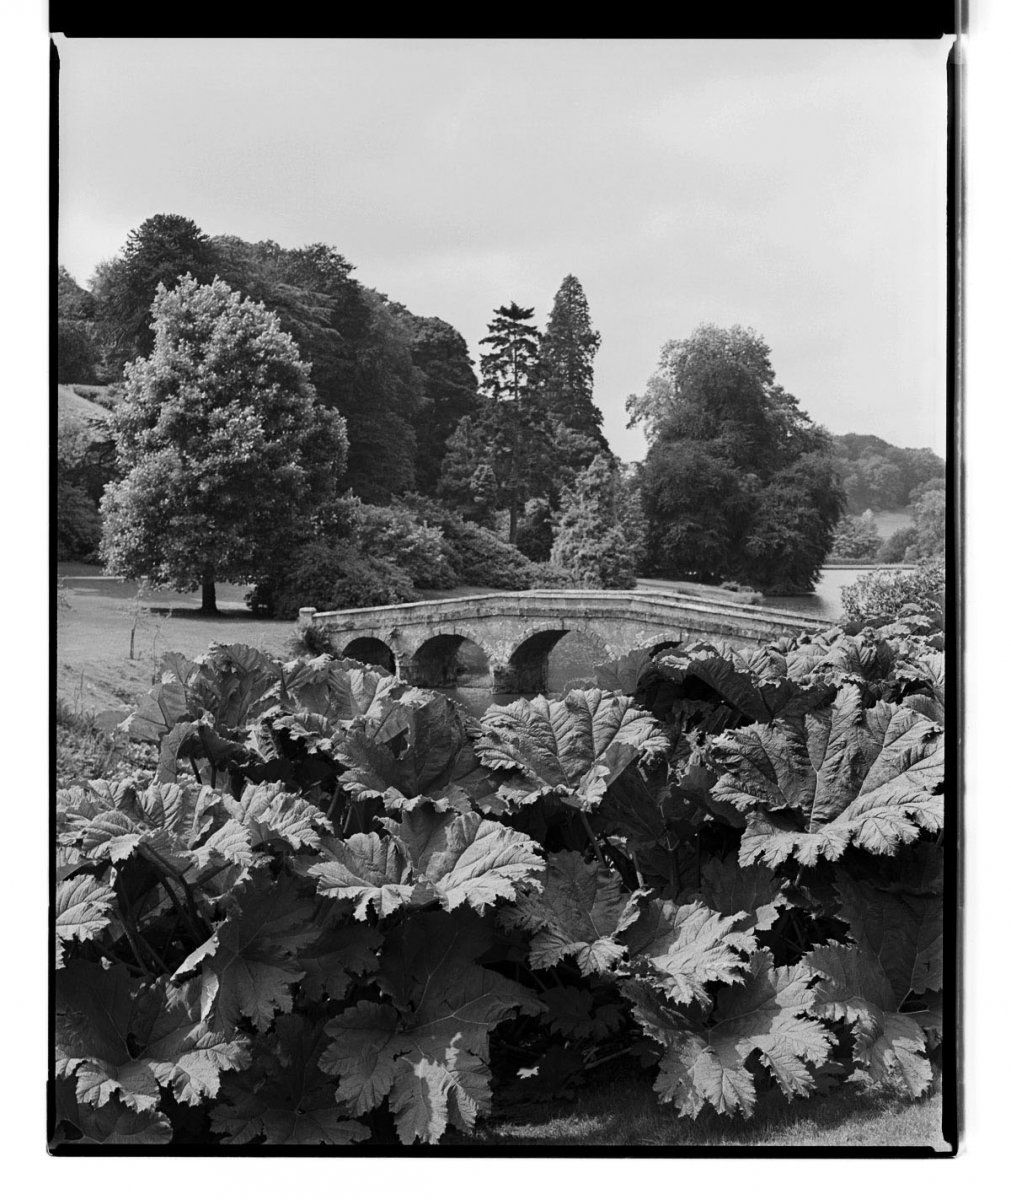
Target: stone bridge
(516,631)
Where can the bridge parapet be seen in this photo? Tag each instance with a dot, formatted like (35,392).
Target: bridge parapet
(517,630)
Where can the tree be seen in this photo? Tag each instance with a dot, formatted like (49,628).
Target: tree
(157,254)
(534,535)
(467,481)
(514,426)
(77,352)
(359,351)
(567,351)
(857,538)
(449,389)
(223,448)
(929,514)
(589,539)
(738,482)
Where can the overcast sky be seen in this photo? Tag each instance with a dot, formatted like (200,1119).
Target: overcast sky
(797,187)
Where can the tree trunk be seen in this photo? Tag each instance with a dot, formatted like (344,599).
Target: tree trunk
(208,596)
(513,519)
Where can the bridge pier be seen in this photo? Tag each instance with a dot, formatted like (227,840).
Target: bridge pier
(520,677)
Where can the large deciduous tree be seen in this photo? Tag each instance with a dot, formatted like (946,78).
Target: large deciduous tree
(738,481)
(567,351)
(449,390)
(360,353)
(224,451)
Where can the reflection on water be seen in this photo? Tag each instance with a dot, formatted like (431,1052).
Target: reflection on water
(576,654)
(574,657)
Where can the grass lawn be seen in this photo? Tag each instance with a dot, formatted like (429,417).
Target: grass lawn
(626,1113)
(94,670)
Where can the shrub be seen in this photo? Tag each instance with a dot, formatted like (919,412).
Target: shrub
(78,525)
(885,594)
(484,560)
(478,556)
(417,548)
(548,575)
(330,576)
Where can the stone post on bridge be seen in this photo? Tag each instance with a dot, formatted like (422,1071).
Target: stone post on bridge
(305,616)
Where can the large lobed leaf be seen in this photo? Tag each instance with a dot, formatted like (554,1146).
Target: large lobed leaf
(122,1040)
(574,748)
(429,855)
(426,1045)
(579,914)
(687,947)
(754,891)
(110,822)
(284,1098)
(845,774)
(233,684)
(114,1124)
(248,965)
(752,681)
(888,1044)
(416,744)
(768,1015)
(83,905)
(337,689)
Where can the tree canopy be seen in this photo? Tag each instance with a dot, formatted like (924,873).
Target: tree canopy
(590,541)
(157,253)
(738,482)
(567,351)
(513,425)
(223,448)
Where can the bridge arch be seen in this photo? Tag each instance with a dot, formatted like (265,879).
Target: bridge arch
(448,660)
(373,651)
(527,668)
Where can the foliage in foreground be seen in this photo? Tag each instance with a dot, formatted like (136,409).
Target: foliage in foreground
(341,910)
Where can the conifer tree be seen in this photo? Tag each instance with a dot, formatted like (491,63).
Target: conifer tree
(568,349)
(590,540)
(514,427)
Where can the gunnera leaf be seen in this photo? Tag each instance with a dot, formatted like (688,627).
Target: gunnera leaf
(122,1040)
(847,774)
(248,965)
(283,1097)
(573,748)
(465,859)
(579,914)
(686,947)
(83,905)
(888,1044)
(426,1045)
(769,1014)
